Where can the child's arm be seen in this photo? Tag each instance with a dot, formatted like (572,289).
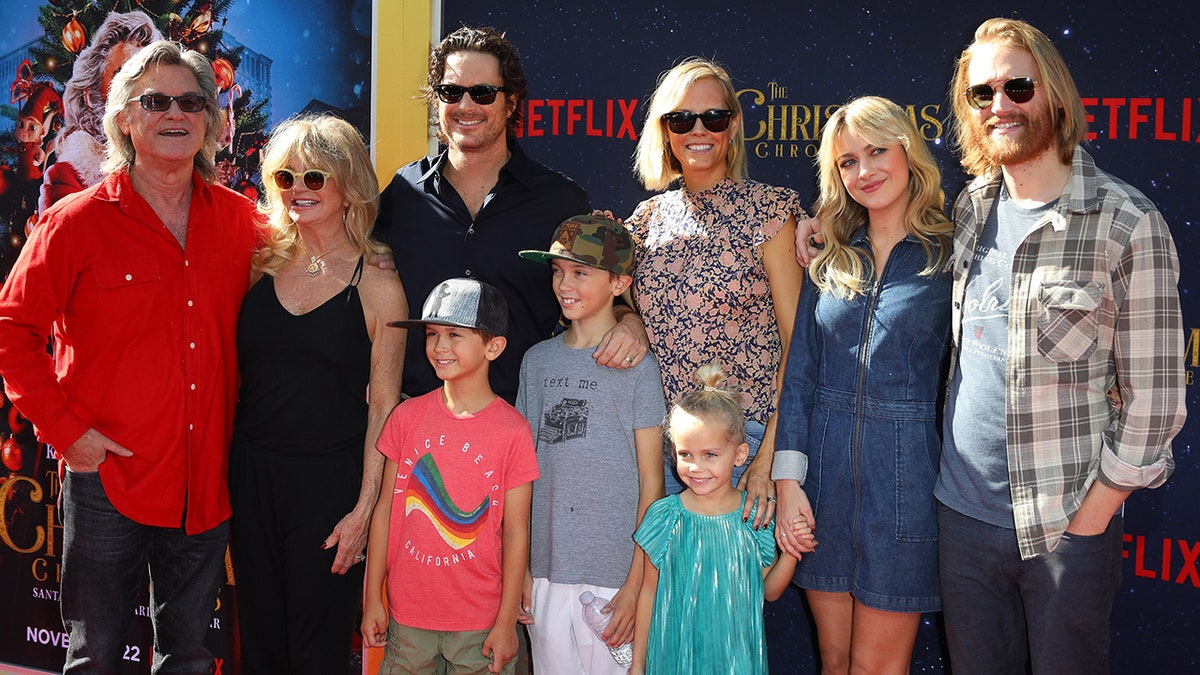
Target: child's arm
(501,642)
(525,616)
(522,405)
(375,616)
(778,576)
(650,489)
(645,610)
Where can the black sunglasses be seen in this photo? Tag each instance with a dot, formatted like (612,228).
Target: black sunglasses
(483,94)
(314,179)
(1018,90)
(681,122)
(188,103)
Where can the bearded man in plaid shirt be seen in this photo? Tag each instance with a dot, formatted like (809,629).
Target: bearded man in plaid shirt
(1067,382)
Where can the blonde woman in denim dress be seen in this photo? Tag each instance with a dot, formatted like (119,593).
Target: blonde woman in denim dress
(858,437)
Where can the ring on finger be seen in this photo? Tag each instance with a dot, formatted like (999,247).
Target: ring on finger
(771,498)
(359,558)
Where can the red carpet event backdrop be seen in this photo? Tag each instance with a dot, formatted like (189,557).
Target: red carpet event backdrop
(590,68)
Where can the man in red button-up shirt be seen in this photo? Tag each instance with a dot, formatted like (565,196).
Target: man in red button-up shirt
(139,281)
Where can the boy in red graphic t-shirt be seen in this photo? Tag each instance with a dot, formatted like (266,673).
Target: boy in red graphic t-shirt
(449,540)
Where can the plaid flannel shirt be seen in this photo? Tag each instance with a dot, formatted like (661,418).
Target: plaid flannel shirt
(1095,374)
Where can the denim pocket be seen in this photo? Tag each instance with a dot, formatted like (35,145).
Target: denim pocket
(917,454)
(1067,319)
(818,450)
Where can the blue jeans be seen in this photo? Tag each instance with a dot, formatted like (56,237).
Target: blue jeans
(1002,612)
(754,438)
(104,559)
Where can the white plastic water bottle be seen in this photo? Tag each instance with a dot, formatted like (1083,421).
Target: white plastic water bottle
(598,621)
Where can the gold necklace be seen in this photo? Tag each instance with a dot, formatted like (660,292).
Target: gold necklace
(315,263)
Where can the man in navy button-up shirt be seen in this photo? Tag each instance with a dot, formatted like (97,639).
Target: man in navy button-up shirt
(467,210)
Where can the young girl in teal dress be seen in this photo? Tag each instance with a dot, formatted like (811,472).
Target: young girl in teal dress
(700,608)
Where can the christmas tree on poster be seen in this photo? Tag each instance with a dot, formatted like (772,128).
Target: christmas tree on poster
(69,26)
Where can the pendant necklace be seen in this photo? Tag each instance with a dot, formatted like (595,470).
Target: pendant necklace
(315,263)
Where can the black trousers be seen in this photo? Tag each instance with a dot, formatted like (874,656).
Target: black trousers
(294,615)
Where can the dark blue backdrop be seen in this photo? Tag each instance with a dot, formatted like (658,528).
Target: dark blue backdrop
(591,65)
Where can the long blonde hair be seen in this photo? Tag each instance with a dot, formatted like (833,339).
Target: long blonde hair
(653,162)
(326,143)
(840,268)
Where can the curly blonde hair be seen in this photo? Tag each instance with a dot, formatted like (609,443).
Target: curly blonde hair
(327,143)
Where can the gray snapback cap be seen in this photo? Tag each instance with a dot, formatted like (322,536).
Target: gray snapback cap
(468,303)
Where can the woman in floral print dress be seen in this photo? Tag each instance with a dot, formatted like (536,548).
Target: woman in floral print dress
(715,273)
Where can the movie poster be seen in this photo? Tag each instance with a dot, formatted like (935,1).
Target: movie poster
(271,59)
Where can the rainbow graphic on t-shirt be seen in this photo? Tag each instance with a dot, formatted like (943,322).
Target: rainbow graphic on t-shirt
(427,494)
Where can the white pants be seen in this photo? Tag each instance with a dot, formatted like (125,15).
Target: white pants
(561,642)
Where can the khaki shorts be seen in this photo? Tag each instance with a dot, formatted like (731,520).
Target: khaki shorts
(415,651)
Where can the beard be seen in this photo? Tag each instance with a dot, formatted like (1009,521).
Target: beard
(1037,135)
(493,131)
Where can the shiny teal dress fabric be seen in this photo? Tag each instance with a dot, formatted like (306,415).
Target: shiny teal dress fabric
(708,614)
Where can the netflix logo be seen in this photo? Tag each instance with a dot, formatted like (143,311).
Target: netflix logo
(609,118)
(1172,560)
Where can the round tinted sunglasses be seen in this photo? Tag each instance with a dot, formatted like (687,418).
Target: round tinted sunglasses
(483,94)
(682,122)
(1018,90)
(188,103)
(314,179)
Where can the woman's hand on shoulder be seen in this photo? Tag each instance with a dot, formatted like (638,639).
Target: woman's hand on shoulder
(809,240)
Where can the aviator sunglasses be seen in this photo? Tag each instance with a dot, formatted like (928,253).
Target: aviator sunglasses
(188,103)
(483,94)
(1018,90)
(681,122)
(314,179)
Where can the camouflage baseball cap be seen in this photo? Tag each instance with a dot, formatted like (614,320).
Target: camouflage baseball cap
(589,240)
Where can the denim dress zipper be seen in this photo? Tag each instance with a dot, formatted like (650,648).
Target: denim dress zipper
(863,352)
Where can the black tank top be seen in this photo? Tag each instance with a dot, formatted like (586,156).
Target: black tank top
(304,378)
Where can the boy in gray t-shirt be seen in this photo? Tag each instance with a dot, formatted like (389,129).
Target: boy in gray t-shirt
(599,448)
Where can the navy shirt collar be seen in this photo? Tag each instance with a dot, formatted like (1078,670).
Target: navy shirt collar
(518,167)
